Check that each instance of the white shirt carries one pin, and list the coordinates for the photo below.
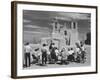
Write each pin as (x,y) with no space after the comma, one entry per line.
(57,52)
(83,49)
(78,50)
(44,49)
(28,49)
(71,52)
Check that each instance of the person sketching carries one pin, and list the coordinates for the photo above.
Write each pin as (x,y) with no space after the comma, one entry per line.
(71,57)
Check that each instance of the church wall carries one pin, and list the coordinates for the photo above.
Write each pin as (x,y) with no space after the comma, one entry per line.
(83,28)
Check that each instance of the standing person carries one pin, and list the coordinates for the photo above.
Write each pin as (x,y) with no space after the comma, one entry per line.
(50,50)
(53,54)
(63,56)
(83,53)
(57,52)
(50,46)
(27,55)
(78,54)
(44,54)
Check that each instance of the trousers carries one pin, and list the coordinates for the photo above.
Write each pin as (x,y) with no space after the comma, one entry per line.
(27,59)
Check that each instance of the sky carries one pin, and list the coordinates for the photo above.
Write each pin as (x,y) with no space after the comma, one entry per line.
(37,24)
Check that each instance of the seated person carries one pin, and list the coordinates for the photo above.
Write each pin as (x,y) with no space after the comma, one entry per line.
(71,56)
(35,55)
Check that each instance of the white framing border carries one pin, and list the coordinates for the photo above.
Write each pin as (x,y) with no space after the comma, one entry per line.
(21,72)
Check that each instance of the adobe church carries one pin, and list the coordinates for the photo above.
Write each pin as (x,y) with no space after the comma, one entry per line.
(63,35)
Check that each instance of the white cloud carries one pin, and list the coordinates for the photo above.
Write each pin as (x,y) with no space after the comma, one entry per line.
(37,27)
(70,16)
(26,21)
(32,26)
(34,32)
